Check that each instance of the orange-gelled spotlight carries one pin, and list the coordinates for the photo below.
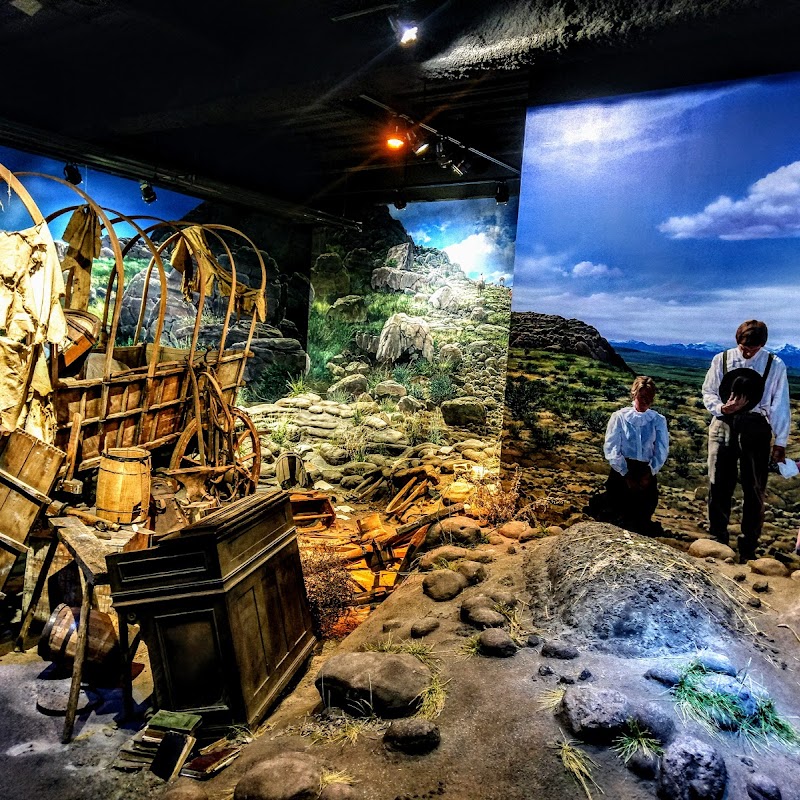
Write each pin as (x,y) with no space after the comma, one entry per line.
(395,141)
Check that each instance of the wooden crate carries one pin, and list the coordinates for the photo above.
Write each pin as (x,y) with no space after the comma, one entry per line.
(223,611)
(29,461)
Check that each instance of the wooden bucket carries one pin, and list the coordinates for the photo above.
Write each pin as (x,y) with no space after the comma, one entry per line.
(59,639)
(123,485)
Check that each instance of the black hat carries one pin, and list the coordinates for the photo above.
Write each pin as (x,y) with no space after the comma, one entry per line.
(742,381)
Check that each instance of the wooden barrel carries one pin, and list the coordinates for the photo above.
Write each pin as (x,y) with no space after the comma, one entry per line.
(123,485)
(59,639)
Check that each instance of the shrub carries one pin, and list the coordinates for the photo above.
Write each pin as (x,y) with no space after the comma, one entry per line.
(441,388)
(328,585)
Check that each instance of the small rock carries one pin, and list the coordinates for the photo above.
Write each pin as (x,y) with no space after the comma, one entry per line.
(692,770)
(597,715)
(762,787)
(665,672)
(761,586)
(739,577)
(338,791)
(715,662)
(443,584)
(534,640)
(556,649)
(496,642)
(754,602)
(770,567)
(513,529)
(457,530)
(413,736)
(645,765)
(702,548)
(505,598)
(568,680)
(795,576)
(422,627)
(653,718)
(545,670)
(185,789)
(482,617)
(511,550)
(473,571)
(289,776)
(392,625)
(585,675)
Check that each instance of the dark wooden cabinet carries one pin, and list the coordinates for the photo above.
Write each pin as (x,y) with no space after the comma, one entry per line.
(223,611)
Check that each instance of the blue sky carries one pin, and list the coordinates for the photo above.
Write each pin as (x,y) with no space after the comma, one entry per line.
(668,216)
(119,194)
(477,234)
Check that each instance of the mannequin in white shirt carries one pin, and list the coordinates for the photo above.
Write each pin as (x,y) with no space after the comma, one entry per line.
(636,446)
(740,436)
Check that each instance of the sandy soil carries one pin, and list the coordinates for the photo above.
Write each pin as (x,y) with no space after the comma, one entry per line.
(497,742)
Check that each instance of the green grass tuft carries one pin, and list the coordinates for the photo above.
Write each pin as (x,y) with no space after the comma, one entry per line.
(636,739)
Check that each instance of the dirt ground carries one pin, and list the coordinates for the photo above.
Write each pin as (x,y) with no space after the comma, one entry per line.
(497,743)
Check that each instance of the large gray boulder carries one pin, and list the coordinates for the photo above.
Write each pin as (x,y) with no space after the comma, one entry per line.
(400,256)
(396,280)
(595,715)
(329,278)
(289,776)
(286,353)
(404,338)
(444,584)
(464,412)
(387,684)
(444,298)
(692,770)
(351,308)
(454,530)
(352,385)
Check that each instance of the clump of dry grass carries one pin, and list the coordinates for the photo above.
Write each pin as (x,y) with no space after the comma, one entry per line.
(328,586)
(335,776)
(432,698)
(470,646)
(551,699)
(578,764)
(341,728)
(421,651)
(494,503)
(517,628)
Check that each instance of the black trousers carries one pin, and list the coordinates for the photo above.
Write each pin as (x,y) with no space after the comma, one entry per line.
(628,500)
(738,449)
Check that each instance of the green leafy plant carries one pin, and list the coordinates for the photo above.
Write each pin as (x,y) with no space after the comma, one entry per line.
(635,740)
(297,386)
(440,389)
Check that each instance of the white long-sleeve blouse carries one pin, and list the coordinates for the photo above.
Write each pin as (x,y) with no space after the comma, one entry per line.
(641,435)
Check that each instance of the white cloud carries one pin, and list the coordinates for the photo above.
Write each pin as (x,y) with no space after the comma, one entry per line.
(590,133)
(484,253)
(586,269)
(655,317)
(770,210)
(420,237)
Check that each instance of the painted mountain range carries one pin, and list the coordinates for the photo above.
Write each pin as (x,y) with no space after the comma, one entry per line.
(706,350)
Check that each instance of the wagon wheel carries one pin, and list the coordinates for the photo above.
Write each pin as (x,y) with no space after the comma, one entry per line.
(229,439)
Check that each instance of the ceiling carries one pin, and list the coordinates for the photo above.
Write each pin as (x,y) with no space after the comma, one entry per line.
(281,104)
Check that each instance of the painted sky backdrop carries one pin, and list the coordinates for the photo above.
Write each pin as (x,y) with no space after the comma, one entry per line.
(665,217)
(478,234)
(119,194)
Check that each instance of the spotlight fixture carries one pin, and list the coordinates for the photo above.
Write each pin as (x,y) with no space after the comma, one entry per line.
(73,174)
(461,167)
(442,158)
(408,32)
(399,201)
(419,144)
(148,192)
(501,194)
(396,140)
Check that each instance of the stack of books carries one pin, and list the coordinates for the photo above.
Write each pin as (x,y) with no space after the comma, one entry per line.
(211,759)
(163,746)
